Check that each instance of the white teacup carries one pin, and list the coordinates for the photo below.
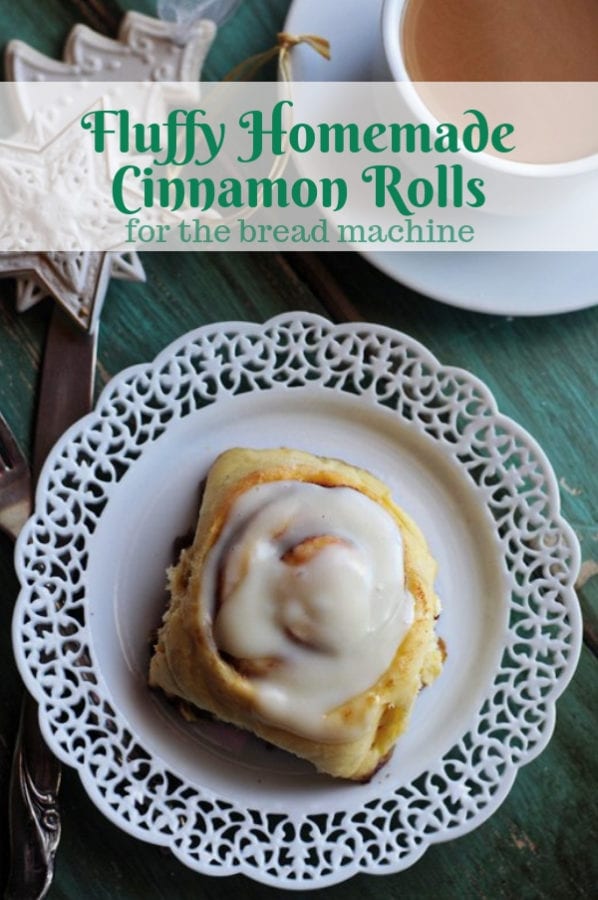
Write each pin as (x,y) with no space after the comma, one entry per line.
(543,114)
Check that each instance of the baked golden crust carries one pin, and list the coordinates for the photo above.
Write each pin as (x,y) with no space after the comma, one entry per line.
(186,662)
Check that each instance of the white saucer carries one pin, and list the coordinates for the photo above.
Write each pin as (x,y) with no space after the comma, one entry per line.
(513,284)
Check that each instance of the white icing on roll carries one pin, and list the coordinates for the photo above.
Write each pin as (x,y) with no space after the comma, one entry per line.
(312,579)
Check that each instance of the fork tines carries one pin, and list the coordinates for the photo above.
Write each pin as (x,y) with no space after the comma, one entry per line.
(11,456)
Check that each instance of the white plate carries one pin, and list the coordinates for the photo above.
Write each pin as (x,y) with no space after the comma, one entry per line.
(122,484)
(510,284)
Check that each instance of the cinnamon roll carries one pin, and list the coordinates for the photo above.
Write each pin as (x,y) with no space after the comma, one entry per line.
(303,611)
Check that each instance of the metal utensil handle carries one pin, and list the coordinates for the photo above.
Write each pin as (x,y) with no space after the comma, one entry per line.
(34,814)
(65,395)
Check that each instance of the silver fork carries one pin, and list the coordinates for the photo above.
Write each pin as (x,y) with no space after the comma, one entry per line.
(33,815)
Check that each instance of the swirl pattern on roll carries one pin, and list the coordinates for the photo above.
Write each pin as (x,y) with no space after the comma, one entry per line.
(305,590)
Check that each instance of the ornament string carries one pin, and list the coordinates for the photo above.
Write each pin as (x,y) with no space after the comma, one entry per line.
(248,69)
(183,11)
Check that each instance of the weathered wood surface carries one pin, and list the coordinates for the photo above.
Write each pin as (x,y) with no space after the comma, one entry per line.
(541,842)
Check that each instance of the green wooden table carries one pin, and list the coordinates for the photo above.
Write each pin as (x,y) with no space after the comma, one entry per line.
(541,842)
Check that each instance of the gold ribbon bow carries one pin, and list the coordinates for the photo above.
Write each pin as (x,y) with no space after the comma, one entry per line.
(285,42)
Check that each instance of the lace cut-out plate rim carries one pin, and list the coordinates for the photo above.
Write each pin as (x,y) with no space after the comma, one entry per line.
(80,715)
